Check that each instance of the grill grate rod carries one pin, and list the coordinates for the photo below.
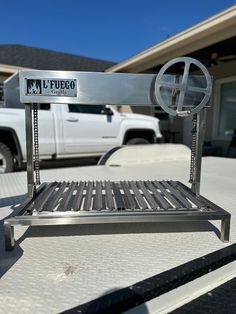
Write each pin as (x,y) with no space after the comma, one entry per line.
(98,196)
(130,201)
(109,197)
(138,195)
(78,197)
(118,196)
(88,196)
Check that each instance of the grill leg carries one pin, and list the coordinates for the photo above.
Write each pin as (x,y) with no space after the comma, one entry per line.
(225,229)
(9,237)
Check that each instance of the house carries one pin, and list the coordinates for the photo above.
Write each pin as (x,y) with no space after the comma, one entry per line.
(212,42)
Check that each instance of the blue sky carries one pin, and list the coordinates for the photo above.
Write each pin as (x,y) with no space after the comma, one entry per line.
(111,30)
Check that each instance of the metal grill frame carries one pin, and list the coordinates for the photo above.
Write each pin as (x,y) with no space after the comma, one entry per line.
(144,84)
(24,216)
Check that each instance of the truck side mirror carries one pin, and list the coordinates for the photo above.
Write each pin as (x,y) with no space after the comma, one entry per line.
(107,111)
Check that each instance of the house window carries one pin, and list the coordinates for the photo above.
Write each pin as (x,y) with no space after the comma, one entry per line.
(227,109)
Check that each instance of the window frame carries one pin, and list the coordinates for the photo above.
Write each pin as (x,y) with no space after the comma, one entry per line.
(100,114)
(216,114)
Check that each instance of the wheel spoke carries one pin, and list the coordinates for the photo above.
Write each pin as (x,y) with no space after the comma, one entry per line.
(183,86)
(198,89)
(170,85)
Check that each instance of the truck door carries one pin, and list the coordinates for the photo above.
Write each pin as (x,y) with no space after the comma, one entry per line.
(89,129)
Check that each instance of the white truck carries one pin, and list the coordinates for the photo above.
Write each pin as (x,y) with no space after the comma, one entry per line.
(68,131)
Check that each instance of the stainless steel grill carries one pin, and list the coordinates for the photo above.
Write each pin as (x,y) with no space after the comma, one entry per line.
(124,201)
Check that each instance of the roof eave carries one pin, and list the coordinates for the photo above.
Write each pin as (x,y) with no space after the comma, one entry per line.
(4,68)
(214,29)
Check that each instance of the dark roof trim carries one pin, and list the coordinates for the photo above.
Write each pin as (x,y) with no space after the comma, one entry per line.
(44,59)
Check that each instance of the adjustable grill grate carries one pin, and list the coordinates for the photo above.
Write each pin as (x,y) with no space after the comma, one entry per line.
(92,202)
(116,196)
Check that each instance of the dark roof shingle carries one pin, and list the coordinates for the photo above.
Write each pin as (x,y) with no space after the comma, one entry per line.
(44,59)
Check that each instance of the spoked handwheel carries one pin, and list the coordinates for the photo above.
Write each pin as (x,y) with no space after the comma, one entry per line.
(180,89)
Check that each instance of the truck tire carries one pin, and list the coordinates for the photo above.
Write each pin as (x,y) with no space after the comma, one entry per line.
(137,141)
(6,159)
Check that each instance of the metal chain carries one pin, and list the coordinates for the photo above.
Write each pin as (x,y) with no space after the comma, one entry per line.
(36,144)
(193,148)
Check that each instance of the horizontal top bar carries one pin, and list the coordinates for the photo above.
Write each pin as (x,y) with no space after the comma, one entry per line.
(95,88)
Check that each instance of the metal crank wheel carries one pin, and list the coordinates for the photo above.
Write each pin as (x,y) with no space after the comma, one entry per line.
(178,90)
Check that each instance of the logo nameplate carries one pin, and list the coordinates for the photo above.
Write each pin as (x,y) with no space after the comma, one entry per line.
(51,87)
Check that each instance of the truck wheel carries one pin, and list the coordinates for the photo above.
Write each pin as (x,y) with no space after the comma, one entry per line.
(137,141)
(6,159)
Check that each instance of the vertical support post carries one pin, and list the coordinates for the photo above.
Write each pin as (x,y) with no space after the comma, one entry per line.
(9,236)
(200,132)
(225,229)
(29,149)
